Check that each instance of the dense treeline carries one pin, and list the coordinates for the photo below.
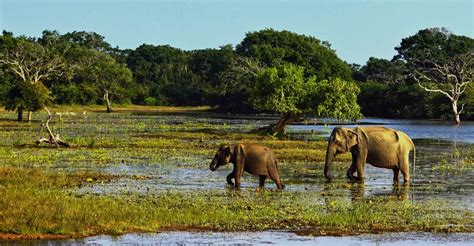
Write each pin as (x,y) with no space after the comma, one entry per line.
(272,71)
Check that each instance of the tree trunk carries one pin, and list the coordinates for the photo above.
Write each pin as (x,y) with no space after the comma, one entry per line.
(107,101)
(457,119)
(279,127)
(53,138)
(20,115)
(29,116)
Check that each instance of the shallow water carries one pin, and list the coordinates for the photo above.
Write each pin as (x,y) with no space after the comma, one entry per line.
(262,238)
(440,173)
(416,129)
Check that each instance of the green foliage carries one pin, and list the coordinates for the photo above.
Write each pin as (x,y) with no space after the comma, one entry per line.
(373,99)
(468,100)
(383,71)
(286,90)
(30,63)
(162,72)
(283,89)
(209,65)
(398,100)
(432,45)
(46,190)
(275,47)
(27,96)
(389,91)
(88,40)
(76,92)
(227,77)
(150,101)
(6,81)
(102,71)
(237,81)
(336,98)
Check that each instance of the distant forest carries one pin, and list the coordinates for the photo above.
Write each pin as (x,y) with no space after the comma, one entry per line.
(81,68)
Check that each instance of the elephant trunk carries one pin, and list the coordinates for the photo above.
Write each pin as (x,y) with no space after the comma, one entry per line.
(214,164)
(329,156)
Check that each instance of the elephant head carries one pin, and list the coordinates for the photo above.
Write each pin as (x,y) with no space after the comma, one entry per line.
(340,141)
(221,158)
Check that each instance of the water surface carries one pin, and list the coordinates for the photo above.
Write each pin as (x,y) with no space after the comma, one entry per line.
(263,238)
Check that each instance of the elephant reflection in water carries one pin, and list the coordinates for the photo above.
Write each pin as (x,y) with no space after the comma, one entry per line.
(357,191)
(398,192)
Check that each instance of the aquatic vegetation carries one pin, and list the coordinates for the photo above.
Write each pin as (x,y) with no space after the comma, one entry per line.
(158,151)
(39,202)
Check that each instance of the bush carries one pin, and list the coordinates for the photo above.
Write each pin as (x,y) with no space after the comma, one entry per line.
(151,101)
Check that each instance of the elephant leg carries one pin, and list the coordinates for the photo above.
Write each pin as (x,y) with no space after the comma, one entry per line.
(406,175)
(396,174)
(262,179)
(360,170)
(358,162)
(230,177)
(351,171)
(237,181)
(405,168)
(276,178)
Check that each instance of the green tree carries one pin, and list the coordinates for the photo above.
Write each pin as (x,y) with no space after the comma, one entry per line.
(273,47)
(32,63)
(383,71)
(109,77)
(285,89)
(236,84)
(440,62)
(26,96)
(209,66)
(88,40)
(385,92)
(432,45)
(162,73)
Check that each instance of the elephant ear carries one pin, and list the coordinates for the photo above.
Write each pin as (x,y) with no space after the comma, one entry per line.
(227,150)
(352,139)
(362,137)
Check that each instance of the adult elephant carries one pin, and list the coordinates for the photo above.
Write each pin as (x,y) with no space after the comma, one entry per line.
(379,146)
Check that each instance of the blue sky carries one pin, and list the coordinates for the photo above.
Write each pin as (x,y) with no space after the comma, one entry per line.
(357,29)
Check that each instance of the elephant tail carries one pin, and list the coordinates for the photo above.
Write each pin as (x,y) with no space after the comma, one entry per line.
(278,172)
(414,160)
(414,154)
(413,173)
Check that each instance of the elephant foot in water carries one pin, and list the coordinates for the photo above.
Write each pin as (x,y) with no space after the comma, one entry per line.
(355,179)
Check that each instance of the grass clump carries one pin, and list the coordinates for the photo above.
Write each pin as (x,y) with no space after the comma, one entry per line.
(41,202)
(40,187)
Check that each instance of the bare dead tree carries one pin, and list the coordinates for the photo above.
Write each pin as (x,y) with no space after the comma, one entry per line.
(450,78)
(53,139)
(34,63)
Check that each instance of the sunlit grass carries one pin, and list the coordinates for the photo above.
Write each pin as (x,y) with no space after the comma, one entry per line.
(39,184)
(37,202)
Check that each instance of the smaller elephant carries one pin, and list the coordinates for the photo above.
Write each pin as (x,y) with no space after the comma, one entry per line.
(254,159)
(379,146)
